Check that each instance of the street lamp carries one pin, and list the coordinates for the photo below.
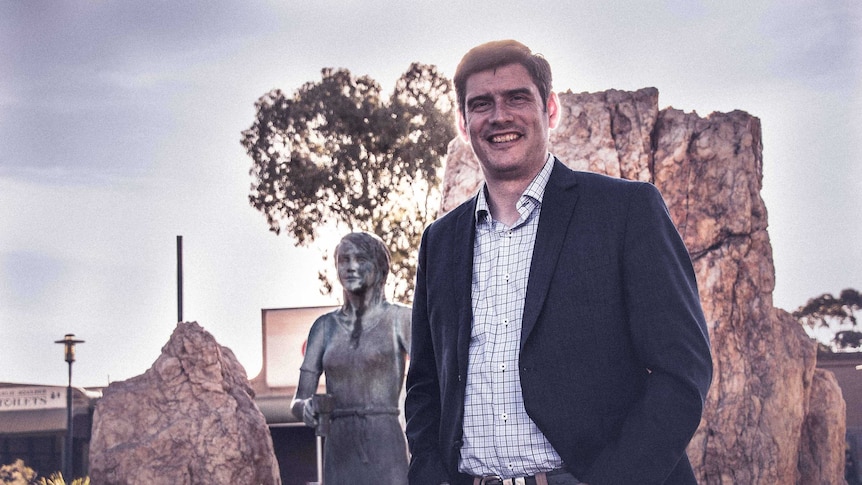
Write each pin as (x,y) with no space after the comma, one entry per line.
(69,342)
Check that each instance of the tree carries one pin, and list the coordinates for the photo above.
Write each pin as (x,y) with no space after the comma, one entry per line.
(337,154)
(838,314)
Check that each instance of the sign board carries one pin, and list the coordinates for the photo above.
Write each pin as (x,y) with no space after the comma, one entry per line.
(285,331)
(31,398)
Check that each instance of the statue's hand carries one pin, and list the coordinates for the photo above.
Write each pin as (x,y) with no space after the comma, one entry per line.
(309,413)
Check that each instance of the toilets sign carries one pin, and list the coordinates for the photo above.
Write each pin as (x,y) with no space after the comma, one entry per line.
(31,398)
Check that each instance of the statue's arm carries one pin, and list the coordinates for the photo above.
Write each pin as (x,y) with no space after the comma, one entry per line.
(309,374)
(405,317)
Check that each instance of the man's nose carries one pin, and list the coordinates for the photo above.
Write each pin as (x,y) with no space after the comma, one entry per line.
(500,113)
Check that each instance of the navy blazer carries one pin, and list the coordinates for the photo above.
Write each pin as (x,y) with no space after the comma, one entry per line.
(615,361)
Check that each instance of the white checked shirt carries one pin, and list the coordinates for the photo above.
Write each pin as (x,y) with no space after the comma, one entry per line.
(499,436)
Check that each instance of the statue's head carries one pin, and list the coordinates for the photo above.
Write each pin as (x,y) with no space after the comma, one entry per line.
(362,261)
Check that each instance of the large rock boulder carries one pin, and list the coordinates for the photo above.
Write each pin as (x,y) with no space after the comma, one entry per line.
(822,431)
(189,419)
(768,419)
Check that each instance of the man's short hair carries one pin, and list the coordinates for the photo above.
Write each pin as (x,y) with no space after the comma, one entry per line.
(499,53)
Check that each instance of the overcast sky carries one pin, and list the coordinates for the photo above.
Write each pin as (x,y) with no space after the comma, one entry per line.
(120,124)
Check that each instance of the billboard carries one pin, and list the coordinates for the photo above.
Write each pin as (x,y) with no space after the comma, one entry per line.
(32,398)
(284,333)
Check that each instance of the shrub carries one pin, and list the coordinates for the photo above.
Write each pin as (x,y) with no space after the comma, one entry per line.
(57,479)
(16,473)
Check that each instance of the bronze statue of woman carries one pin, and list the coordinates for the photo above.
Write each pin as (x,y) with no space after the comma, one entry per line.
(362,349)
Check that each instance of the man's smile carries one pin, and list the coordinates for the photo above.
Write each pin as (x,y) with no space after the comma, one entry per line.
(504,138)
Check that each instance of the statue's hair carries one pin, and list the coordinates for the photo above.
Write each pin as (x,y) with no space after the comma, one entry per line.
(499,53)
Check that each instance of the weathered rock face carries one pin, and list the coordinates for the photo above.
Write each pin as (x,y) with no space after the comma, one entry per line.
(189,419)
(768,419)
(822,431)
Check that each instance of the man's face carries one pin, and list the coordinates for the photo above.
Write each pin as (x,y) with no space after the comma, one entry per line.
(506,122)
(356,270)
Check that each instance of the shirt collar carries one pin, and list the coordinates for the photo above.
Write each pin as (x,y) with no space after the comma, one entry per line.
(534,191)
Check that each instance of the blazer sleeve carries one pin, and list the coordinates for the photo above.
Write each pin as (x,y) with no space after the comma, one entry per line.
(669,334)
(422,405)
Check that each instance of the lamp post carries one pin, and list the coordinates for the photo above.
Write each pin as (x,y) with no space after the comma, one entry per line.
(69,342)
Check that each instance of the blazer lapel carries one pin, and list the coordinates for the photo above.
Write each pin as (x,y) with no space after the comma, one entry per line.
(464,235)
(558,204)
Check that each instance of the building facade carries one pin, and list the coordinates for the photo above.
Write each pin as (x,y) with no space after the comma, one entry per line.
(33,421)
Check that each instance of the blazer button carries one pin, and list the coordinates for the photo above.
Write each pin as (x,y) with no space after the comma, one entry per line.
(457,444)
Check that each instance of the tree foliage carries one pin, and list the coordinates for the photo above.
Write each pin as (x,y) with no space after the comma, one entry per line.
(835,313)
(337,153)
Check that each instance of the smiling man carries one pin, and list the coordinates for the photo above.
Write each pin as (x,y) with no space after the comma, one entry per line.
(558,336)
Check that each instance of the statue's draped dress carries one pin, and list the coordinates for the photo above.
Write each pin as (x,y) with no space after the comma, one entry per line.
(366,443)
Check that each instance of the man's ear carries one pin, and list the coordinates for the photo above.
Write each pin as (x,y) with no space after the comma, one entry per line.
(462,127)
(553,110)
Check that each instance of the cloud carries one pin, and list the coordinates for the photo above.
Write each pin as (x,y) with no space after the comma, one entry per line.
(85,83)
(818,43)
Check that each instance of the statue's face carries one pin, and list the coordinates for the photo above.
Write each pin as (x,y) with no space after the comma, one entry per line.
(356,270)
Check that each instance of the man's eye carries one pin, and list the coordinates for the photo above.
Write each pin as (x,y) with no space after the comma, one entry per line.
(479,106)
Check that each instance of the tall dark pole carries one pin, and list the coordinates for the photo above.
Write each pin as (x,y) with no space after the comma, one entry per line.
(68,462)
(179,278)
(69,342)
